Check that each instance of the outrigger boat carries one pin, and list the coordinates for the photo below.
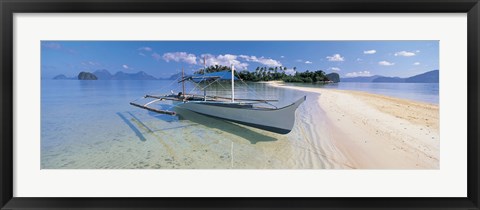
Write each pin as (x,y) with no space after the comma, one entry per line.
(257,113)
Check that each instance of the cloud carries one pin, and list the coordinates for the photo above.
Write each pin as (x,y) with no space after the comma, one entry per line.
(282,56)
(90,63)
(385,63)
(57,46)
(358,74)
(404,53)
(262,60)
(290,72)
(148,49)
(308,62)
(156,56)
(142,51)
(334,69)
(125,66)
(180,57)
(335,57)
(269,62)
(416,63)
(417,51)
(210,59)
(223,60)
(359,59)
(369,52)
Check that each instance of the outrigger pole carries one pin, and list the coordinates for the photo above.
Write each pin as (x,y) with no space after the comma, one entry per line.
(153,109)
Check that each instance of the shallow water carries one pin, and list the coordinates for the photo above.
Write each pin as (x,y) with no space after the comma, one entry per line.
(421,92)
(90,125)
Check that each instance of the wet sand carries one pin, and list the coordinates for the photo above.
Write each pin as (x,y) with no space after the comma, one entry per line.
(371,131)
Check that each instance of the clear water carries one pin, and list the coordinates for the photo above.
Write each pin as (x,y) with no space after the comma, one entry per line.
(422,92)
(90,124)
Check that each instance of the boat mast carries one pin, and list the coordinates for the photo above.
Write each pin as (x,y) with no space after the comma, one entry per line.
(183,83)
(204,72)
(204,65)
(233,84)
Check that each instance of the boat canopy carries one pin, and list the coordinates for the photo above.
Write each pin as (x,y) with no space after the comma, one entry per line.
(221,75)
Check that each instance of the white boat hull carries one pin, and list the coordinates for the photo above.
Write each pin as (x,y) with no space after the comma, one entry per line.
(279,120)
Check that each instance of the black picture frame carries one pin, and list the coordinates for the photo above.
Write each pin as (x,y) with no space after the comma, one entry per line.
(10,7)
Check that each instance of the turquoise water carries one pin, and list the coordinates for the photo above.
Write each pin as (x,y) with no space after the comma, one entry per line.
(423,92)
(90,124)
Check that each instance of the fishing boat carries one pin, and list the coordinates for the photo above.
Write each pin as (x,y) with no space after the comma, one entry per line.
(257,113)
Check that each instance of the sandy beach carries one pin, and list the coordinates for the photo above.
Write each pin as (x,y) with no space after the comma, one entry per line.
(369,131)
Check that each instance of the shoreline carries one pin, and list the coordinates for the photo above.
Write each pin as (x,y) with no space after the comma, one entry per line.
(379,132)
(333,130)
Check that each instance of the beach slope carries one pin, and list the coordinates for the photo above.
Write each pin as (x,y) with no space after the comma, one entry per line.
(379,132)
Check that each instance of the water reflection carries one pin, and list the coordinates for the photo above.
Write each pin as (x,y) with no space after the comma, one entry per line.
(211,122)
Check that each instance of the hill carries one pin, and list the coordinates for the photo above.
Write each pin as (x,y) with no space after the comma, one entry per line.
(176,76)
(389,79)
(63,77)
(132,76)
(427,77)
(359,79)
(334,77)
(104,74)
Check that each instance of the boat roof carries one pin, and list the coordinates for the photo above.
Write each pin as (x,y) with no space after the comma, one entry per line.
(221,75)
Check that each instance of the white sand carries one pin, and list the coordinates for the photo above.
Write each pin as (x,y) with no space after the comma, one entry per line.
(371,131)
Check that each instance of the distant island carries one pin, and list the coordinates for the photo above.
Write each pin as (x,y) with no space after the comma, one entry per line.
(62,77)
(86,76)
(106,75)
(427,77)
(261,74)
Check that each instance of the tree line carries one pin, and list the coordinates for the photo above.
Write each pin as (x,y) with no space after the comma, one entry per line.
(276,73)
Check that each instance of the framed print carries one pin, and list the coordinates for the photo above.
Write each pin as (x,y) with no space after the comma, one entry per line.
(254,105)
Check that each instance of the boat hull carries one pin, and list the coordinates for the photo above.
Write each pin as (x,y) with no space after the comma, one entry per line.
(279,120)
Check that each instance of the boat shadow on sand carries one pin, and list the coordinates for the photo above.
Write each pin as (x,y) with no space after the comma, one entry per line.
(137,132)
(229,127)
(139,127)
(185,115)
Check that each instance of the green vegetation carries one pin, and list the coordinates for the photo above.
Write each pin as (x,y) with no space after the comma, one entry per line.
(277,73)
(214,68)
(334,77)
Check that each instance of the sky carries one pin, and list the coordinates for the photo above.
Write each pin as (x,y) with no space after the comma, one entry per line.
(164,58)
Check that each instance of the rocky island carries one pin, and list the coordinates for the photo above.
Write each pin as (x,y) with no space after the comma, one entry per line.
(86,76)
